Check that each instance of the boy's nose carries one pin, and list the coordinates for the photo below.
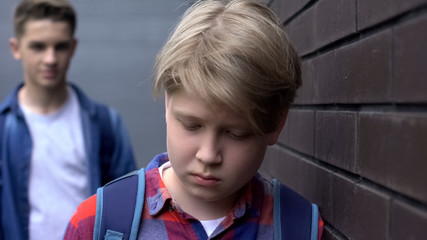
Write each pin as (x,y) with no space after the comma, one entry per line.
(50,56)
(208,151)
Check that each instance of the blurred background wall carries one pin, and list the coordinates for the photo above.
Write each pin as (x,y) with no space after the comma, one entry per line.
(113,64)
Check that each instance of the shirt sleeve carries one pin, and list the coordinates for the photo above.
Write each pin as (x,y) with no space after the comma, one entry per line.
(82,222)
(123,160)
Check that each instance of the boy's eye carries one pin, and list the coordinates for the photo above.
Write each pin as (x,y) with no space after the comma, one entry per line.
(237,135)
(37,46)
(62,46)
(190,126)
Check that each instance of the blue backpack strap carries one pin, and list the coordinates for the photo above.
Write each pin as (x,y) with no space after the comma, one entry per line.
(294,216)
(314,221)
(107,142)
(119,207)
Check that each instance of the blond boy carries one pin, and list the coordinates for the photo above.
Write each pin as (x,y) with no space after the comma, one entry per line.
(229,74)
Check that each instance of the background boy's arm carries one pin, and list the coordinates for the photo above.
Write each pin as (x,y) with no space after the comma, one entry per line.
(122,161)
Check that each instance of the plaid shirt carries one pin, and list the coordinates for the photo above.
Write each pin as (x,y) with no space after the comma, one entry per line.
(251,217)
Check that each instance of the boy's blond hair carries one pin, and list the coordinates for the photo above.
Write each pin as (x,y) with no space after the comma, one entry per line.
(55,10)
(233,54)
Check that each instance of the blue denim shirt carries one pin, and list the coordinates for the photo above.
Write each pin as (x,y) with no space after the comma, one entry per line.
(16,157)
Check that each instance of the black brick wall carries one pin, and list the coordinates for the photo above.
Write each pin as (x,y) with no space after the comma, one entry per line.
(355,141)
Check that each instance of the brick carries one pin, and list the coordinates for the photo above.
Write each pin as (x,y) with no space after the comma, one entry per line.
(408,222)
(305,94)
(335,19)
(314,183)
(371,12)
(410,60)
(392,151)
(323,78)
(298,132)
(294,171)
(335,140)
(359,212)
(321,24)
(283,165)
(270,161)
(288,8)
(329,234)
(301,31)
(362,71)
(356,73)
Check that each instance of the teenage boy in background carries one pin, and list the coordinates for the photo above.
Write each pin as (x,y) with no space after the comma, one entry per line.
(229,74)
(57,146)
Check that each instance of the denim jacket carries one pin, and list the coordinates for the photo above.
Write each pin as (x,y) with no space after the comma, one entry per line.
(16,157)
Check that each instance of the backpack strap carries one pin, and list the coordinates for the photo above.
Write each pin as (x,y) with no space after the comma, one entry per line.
(107,142)
(119,207)
(294,216)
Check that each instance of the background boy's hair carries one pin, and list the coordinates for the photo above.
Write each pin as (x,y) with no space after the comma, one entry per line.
(55,10)
(234,54)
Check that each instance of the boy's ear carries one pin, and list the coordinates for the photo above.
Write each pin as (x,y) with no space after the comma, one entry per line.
(75,42)
(275,135)
(14,48)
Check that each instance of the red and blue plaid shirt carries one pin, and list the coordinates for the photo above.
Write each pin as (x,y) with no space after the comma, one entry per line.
(251,217)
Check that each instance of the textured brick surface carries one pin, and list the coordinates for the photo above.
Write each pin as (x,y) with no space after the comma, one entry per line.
(410,60)
(298,132)
(359,212)
(305,94)
(329,234)
(372,12)
(362,70)
(407,222)
(393,152)
(288,8)
(324,81)
(323,23)
(336,138)
(361,57)
(314,183)
(301,31)
(355,73)
(283,165)
(335,19)
(311,181)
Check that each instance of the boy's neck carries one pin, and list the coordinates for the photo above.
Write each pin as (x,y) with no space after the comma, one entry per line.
(196,207)
(42,100)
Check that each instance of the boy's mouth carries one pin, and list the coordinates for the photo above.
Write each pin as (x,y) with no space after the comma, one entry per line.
(205,180)
(49,73)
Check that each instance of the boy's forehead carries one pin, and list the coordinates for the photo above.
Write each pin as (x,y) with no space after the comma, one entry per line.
(199,107)
(187,98)
(33,27)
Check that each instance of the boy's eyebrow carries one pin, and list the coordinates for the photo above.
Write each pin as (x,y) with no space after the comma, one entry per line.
(35,42)
(188,116)
(183,113)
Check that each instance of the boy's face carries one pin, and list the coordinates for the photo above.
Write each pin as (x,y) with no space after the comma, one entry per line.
(46,49)
(213,153)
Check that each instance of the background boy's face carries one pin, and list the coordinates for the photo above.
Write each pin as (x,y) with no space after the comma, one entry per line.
(213,153)
(45,48)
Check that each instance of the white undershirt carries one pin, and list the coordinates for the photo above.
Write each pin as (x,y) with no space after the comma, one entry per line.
(208,225)
(59,178)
